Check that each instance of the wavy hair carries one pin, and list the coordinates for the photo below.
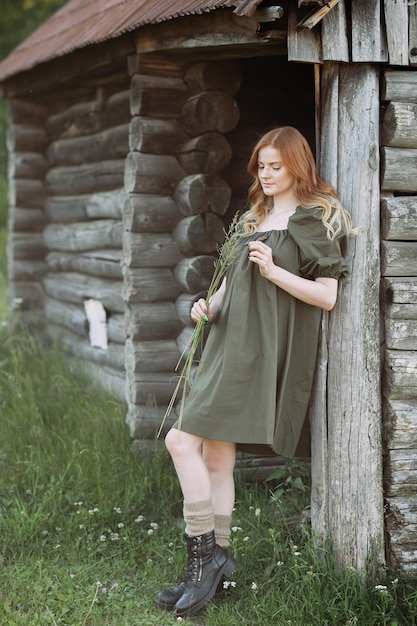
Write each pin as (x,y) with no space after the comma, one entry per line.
(310,189)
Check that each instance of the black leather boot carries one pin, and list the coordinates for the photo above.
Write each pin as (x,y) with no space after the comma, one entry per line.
(168,598)
(207,564)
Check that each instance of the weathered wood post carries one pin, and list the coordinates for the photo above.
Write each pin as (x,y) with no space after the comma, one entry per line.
(347,503)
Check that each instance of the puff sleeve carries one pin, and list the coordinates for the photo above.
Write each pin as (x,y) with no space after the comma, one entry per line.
(319,256)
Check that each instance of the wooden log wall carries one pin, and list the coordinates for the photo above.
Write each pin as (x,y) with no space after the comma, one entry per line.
(26,141)
(399,296)
(87,144)
(173,217)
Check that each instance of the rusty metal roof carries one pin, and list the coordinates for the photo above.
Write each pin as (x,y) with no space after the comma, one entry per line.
(80,23)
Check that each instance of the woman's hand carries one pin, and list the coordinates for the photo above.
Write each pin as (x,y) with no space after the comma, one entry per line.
(200,311)
(261,254)
(321,292)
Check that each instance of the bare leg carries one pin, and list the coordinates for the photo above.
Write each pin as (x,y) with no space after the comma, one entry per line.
(219,458)
(185,450)
(208,562)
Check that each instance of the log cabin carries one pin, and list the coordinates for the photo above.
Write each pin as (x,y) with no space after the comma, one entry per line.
(130,125)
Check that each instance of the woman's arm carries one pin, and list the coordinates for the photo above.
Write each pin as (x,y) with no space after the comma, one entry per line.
(201,308)
(321,292)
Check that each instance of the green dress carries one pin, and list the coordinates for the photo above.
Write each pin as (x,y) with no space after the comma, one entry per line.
(253,383)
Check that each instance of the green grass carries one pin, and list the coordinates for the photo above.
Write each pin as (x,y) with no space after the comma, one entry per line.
(90,531)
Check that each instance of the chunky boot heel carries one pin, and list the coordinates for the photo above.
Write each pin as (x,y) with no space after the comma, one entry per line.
(207,564)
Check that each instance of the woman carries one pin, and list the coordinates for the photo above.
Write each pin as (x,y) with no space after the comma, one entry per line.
(253,385)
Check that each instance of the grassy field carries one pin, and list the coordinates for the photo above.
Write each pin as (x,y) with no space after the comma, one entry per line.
(91,531)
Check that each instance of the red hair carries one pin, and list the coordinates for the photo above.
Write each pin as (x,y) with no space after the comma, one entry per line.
(309,188)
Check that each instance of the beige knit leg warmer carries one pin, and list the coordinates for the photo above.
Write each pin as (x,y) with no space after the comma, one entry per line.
(198,517)
(222,529)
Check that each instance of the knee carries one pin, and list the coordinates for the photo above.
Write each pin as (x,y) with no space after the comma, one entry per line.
(180,445)
(172,443)
(218,458)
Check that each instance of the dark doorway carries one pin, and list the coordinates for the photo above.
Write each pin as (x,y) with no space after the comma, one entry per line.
(273,93)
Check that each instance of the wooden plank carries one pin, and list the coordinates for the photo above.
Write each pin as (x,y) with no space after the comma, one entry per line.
(220,31)
(401,86)
(303,45)
(85,178)
(150,213)
(399,127)
(401,472)
(400,375)
(208,111)
(101,263)
(199,193)
(97,234)
(399,218)
(400,297)
(152,321)
(151,173)
(154,388)
(368,35)
(400,424)
(26,219)
(150,250)
(74,287)
(194,274)
(199,234)
(401,532)
(314,18)
(71,316)
(329,123)
(149,285)
(412,33)
(151,356)
(157,96)
(399,169)
(155,136)
(112,143)
(26,246)
(26,138)
(396,22)
(328,159)
(398,258)
(401,334)
(334,30)
(100,205)
(29,269)
(26,165)
(355,505)
(319,443)
(209,153)
(25,192)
